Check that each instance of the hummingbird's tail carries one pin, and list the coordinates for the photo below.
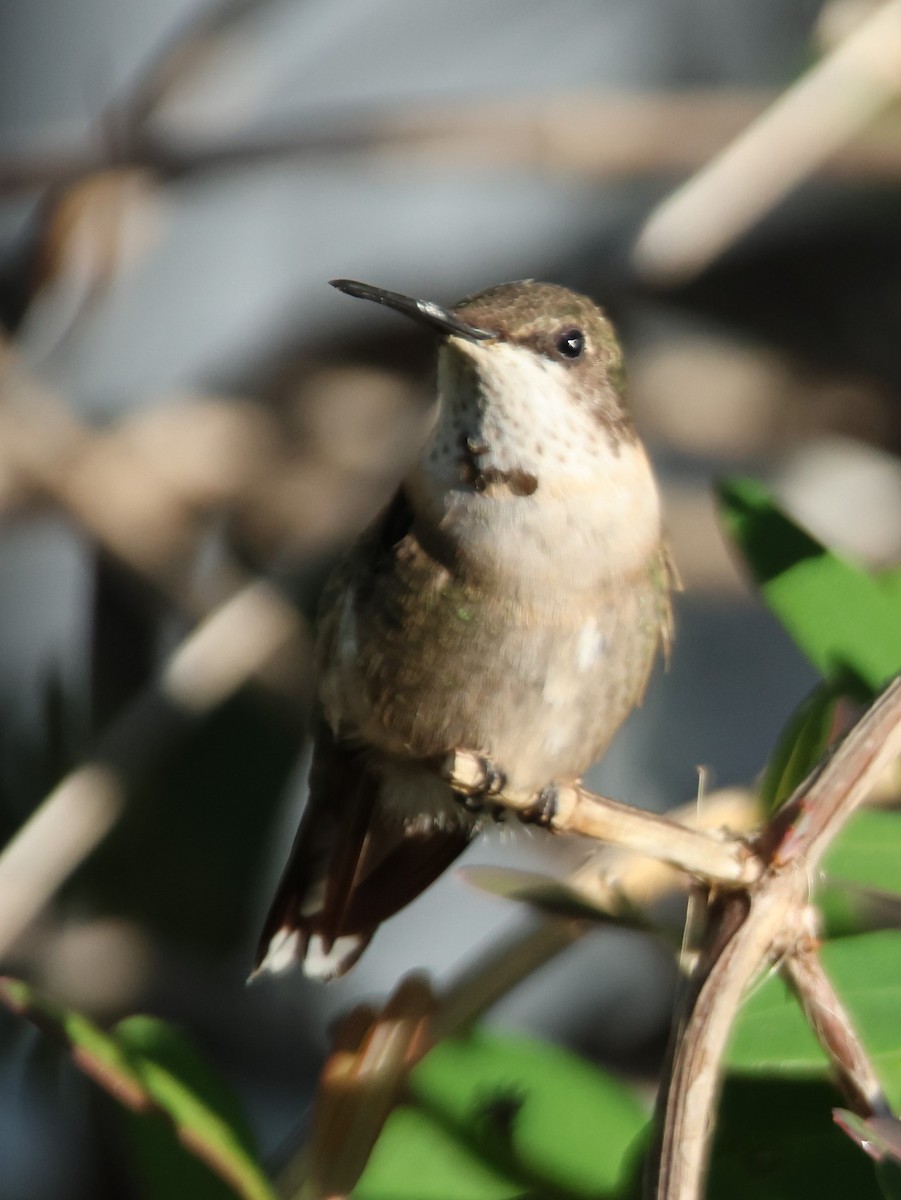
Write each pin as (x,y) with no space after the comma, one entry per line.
(355,862)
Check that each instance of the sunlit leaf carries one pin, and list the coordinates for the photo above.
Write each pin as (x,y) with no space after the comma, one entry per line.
(418,1158)
(537,1118)
(847,621)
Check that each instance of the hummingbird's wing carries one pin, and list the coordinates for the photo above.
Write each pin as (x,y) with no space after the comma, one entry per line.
(349,869)
(356,859)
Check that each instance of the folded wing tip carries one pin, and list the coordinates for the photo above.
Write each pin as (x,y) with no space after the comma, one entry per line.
(319,960)
(323,961)
(285,948)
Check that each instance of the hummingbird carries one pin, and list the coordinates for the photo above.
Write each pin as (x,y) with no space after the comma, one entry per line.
(509,602)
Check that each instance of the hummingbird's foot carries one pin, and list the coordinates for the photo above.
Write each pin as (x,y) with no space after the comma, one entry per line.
(473,778)
(544,809)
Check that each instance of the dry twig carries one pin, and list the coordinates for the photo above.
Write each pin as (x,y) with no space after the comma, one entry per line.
(768,923)
(717,858)
(827,107)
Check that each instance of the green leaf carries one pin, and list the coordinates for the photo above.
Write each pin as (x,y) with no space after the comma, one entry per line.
(847,621)
(418,1158)
(181,1114)
(537,1118)
(204,1111)
(850,908)
(771,1035)
(868,851)
(860,889)
(801,745)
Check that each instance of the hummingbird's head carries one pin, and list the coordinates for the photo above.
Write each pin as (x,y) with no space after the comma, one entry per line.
(548,339)
(528,337)
(533,459)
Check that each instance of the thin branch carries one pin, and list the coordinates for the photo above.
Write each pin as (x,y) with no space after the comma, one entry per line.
(804,828)
(829,1020)
(715,857)
(611,873)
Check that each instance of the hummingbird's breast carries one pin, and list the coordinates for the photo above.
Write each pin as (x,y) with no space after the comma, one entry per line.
(426,662)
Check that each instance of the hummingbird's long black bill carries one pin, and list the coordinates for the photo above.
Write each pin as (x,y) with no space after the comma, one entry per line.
(426,311)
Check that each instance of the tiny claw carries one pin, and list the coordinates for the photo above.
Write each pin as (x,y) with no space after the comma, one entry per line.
(472,775)
(544,809)
(472,804)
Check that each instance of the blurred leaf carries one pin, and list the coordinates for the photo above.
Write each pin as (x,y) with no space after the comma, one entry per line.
(846,621)
(417,1158)
(849,908)
(801,745)
(868,851)
(775,1139)
(860,890)
(205,1113)
(527,1111)
(771,1034)
(183,1109)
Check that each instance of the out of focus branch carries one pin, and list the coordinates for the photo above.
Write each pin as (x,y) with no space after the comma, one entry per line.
(254,633)
(799,134)
(140,517)
(174,62)
(598,135)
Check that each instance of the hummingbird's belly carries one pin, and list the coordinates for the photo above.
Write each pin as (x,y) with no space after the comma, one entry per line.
(539,695)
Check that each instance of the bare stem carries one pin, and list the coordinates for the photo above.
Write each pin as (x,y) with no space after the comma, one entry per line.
(717,858)
(770,923)
(829,1020)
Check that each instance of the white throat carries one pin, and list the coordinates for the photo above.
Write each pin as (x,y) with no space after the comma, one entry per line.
(593,513)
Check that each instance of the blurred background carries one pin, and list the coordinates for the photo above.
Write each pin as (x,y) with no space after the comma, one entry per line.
(193,425)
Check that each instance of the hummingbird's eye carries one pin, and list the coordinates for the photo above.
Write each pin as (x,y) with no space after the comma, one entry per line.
(571,343)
